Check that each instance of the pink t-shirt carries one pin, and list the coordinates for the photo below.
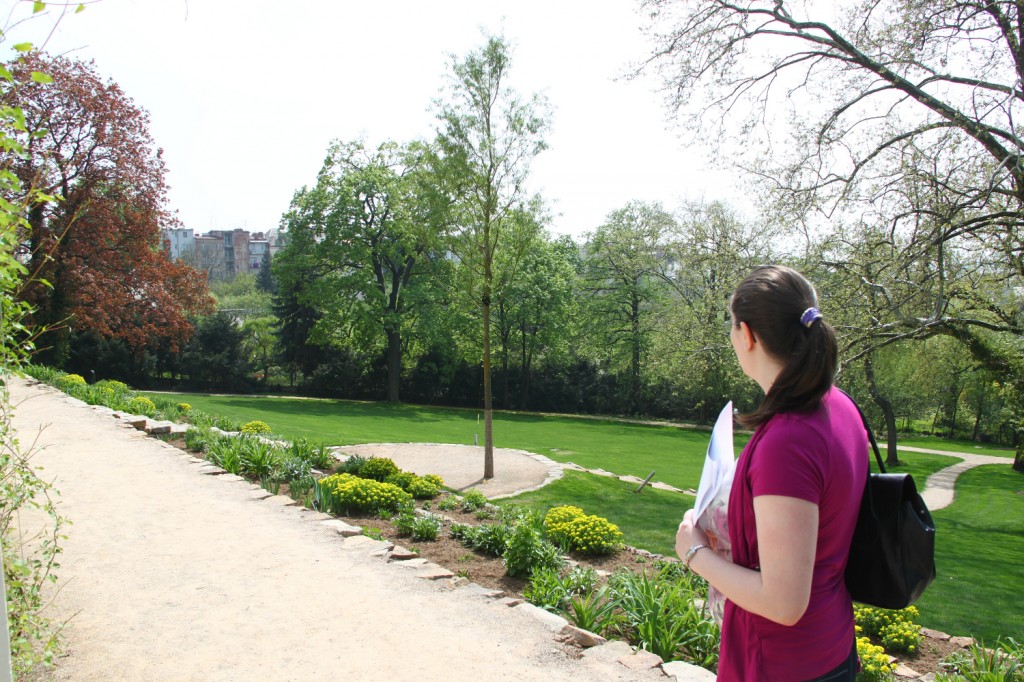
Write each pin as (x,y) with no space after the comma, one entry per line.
(820,457)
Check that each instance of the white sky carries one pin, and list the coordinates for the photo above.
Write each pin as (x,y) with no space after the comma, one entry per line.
(246,95)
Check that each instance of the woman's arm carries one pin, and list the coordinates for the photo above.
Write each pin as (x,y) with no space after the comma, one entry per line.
(787,539)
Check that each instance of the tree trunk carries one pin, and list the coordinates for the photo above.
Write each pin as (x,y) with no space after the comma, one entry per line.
(1018,460)
(634,388)
(394,364)
(891,456)
(488,435)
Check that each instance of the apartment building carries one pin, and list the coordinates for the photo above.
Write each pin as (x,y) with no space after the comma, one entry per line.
(222,254)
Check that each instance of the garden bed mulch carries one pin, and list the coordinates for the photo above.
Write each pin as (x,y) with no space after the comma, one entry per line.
(489,571)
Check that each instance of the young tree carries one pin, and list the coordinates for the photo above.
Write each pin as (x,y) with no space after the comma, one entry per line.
(99,246)
(360,233)
(487,138)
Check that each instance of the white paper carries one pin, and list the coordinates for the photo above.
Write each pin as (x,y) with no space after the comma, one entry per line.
(719,462)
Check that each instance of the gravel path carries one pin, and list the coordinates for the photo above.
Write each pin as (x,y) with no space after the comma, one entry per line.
(169,574)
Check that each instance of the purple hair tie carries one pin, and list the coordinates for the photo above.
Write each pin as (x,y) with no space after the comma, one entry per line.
(809,316)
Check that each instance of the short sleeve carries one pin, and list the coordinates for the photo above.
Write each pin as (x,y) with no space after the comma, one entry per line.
(789,461)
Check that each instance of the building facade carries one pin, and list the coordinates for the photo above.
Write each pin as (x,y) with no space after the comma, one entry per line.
(223,254)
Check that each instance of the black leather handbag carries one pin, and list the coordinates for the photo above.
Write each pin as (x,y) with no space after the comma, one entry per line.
(892,558)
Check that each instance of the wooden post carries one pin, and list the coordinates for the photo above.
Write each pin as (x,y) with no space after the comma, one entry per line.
(646,481)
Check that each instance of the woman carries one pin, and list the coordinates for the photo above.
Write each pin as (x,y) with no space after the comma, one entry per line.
(794,498)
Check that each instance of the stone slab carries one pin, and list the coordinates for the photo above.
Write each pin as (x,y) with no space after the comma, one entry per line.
(211,470)
(313,515)
(641,660)
(400,553)
(481,591)
(258,495)
(361,542)
(682,671)
(510,601)
(343,529)
(934,634)
(903,671)
(962,641)
(282,500)
(658,485)
(156,428)
(551,621)
(431,571)
(585,638)
(234,478)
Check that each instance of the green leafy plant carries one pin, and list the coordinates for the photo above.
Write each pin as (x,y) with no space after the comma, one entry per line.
(448,503)
(351,493)
(140,404)
(527,551)
(570,528)
(352,465)
(472,500)
(258,459)
(197,440)
(423,488)
(874,662)
(256,428)
(593,611)
(378,468)
(661,615)
(426,527)
(897,631)
(401,478)
(374,533)
(226,452)
(1002,663)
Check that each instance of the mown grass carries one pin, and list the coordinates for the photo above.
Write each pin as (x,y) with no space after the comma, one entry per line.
(675,454)
(920,465)
(979,558)
(932,443)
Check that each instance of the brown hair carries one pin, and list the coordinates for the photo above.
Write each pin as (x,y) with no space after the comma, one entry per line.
(771,300)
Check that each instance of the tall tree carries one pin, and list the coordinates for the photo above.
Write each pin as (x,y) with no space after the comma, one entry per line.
(488,136)
(903,118)
(625,277)
(99,246)
(360,233)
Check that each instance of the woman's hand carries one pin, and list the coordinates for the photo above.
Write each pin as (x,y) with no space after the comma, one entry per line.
(689,535)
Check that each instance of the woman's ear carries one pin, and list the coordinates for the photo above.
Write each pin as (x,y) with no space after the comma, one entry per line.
(747,338)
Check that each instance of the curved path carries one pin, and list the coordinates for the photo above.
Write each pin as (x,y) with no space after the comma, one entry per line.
(170,574)
(939,489)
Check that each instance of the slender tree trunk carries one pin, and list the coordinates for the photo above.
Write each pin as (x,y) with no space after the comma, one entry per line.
(891,456)
(488,433)
(394,364)
(634,389)
(1018,460)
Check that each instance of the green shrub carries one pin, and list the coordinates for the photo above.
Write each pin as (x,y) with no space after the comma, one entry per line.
(140,404)
(594,611)
(197,440)
(378,468)
(552,591)
(527,551)
(226,452)
(256,428)
(350,493)
(895,630)
(294,468)
(402,479)
(874,662)
(69,382)
(259,459)
(184,407)
(317,455)
(404,522)
(423,489)
(225,423)
(472,500)
(426,527)
(569,528)
(434,479)
(448,503)
(352,465)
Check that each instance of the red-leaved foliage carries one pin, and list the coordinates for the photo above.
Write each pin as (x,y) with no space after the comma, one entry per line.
(99,245)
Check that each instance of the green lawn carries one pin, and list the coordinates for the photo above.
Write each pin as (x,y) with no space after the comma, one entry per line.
(955,446)
(979,558)
(920,465)
(675,454)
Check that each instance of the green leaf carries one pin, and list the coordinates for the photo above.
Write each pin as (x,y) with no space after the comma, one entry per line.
(23,47)
(40,77)
(80,8)
(38,7)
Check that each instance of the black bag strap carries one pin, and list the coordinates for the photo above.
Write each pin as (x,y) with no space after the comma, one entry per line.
(867,427)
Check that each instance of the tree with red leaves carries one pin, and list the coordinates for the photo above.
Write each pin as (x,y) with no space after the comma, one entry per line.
(99,245)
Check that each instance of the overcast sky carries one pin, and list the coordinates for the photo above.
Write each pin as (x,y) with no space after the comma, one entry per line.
(246,95)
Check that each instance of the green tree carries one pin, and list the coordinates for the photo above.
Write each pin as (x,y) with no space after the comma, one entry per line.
(626,271)
(487,138)
(896,118)
(537,311)
(360,235)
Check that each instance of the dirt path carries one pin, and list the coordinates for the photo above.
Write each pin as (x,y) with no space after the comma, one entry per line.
(169,574)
